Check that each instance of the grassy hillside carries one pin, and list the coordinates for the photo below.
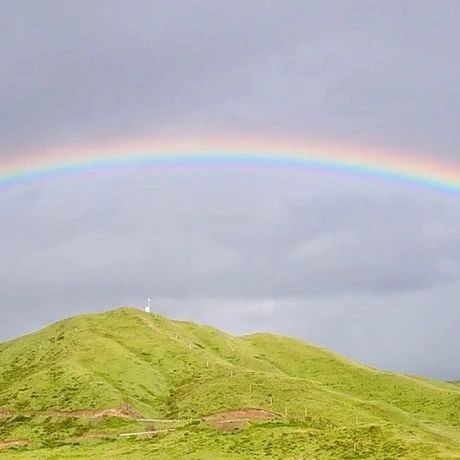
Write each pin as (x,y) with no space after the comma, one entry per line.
(55,383)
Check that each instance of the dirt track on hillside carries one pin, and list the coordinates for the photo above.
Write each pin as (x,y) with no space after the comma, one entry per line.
(125,411)
(8,444)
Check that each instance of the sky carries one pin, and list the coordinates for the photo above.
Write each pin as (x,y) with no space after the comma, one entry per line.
(361,265)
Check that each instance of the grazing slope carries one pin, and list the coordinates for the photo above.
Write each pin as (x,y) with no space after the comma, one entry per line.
(57,384)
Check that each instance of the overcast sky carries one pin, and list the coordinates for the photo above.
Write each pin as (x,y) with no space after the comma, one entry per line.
(366,267)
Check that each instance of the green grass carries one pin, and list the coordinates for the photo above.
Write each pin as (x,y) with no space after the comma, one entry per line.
(169,369)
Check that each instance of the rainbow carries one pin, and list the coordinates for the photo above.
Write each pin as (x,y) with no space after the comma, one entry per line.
(398,166)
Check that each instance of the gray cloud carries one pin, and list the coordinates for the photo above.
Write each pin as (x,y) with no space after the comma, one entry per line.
(229,234)
(338,259)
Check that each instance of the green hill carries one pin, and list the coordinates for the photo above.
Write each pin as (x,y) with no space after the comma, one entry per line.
(69,390)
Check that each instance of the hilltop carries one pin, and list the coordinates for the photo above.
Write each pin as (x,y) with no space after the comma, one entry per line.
(70,388)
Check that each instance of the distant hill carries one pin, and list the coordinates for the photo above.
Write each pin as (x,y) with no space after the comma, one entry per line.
(72,387)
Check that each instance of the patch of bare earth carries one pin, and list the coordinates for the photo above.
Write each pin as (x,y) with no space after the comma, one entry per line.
(8,444)
(5,412)
(230,420)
